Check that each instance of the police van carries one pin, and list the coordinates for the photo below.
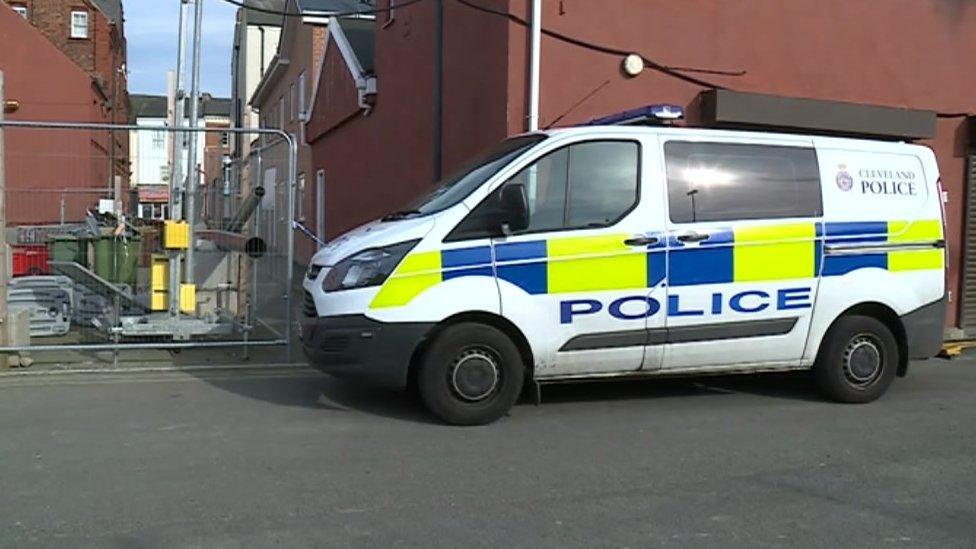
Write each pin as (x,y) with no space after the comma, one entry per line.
(622,251)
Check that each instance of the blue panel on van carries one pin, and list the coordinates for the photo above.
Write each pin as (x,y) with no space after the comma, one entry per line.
(472,271)
(846,231)
(466,257)
(836,265)
(657,268)
(516,251)
(531,277)
(701,266)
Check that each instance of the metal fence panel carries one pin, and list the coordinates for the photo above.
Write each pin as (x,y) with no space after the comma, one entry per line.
(92,214)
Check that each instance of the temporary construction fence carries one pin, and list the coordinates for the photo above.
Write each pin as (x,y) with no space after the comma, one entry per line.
(115,244)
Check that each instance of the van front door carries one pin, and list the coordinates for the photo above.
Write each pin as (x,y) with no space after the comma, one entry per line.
(744,252)
(575,280)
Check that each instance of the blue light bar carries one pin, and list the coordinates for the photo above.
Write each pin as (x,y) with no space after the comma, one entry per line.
(649,114)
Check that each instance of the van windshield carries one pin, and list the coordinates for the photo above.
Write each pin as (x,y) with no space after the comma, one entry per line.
(469,177)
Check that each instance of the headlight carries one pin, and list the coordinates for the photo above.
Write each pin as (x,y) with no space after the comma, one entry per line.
(366,268)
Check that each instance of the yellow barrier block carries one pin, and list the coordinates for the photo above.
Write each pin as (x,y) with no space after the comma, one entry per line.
(188,298)
(159,301)
(159,273)
(176,235)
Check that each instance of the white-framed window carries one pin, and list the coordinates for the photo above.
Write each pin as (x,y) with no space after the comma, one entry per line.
(302,97)
(320,205)
(293,103)
(158,139)
(79,24)
(281,113)
(21,9)
(300,198)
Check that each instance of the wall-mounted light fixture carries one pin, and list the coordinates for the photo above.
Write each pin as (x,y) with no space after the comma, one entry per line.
(632,65)
(11,106)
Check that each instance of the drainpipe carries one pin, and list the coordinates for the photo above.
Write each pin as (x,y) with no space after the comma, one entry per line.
(438,90)
(535,46)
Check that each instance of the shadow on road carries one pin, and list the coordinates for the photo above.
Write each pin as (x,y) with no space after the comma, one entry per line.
(320,391)
(792,386)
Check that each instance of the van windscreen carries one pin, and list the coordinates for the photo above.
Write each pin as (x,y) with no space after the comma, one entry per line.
(472,175)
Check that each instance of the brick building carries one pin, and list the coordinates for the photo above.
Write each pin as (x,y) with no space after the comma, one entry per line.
(282,99)
(151,154)
(451,78)
(53,175)
(92,34)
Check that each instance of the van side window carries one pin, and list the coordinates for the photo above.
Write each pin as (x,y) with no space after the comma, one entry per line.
(585,185)
(729,181)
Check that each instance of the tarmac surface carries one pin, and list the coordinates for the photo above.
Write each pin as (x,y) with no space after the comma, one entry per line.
(292,458)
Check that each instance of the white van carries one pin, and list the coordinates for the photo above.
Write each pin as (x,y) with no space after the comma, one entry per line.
(628,252)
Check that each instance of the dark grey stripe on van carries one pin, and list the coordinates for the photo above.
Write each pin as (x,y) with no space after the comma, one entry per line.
(857,248)
(680,334)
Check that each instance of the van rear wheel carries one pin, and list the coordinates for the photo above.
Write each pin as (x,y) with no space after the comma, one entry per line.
(471,374)
(857,360)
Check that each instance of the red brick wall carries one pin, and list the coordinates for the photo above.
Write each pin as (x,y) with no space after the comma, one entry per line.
(306,48)
(42,166)
(102,54)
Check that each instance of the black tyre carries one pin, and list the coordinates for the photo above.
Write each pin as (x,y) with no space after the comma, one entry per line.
(471,374)
(857,360)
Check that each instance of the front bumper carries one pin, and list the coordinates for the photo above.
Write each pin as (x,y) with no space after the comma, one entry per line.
(924,329)
(355,346)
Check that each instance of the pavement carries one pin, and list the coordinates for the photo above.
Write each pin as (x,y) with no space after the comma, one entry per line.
(287,457)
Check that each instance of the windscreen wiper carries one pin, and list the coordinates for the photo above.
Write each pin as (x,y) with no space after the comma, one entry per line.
(400,215)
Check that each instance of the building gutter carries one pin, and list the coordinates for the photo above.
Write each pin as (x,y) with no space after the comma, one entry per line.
(438,89)
(534,54)
(365,83)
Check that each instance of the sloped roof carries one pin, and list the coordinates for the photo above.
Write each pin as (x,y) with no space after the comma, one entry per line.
(147,106)
(111,8)
(334,6)
(155,106)
(360,34)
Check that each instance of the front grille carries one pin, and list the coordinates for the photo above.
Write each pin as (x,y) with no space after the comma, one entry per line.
(308,306)
(313,271)
(334,344)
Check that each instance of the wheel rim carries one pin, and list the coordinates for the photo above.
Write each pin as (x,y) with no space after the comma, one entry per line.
(474,374)
(863,361)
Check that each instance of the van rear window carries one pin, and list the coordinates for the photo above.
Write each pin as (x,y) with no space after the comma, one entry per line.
(730,181)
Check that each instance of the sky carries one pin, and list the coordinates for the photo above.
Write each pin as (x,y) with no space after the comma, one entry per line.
(152,27)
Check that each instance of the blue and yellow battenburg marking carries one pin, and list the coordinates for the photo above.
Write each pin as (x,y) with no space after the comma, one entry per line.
(789,251)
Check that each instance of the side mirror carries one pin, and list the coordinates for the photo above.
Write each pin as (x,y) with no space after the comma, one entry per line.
(514,208)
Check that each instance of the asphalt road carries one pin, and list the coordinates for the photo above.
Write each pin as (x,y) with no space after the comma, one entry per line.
(296,459)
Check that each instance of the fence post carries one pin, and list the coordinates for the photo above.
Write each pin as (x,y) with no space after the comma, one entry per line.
(4,256)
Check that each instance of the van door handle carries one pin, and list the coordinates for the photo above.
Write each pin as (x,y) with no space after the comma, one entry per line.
(642,241)
(693,237)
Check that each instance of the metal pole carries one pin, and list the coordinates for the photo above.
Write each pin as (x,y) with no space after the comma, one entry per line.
(176,177)
(536,45)
(4,259)
(193,174)
(292,178)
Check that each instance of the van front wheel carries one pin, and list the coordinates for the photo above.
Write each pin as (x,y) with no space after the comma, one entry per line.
(857,360)
(471,374)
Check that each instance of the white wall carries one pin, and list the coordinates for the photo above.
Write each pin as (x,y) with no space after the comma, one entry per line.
(151,151)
